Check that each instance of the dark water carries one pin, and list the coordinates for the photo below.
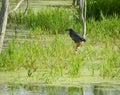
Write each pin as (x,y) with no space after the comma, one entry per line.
(38,89)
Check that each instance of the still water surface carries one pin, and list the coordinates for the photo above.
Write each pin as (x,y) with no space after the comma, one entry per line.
(38,89)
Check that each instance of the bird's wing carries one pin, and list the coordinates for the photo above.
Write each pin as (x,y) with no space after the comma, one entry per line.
(76,37)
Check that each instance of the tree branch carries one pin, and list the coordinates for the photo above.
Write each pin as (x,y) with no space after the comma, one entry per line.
(26,7)
(18,5)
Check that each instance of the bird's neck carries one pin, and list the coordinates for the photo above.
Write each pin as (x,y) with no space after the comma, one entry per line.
(71,32)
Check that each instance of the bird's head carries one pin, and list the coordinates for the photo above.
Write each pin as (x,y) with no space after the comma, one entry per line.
(70,29)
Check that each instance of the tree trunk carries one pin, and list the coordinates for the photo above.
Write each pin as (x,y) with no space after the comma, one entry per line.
(82,6)
(3,20)
(2,14)
(76,2)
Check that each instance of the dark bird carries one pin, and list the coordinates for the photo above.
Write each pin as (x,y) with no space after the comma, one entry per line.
(77,38)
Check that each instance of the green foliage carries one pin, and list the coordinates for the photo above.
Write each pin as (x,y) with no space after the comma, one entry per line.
(108,7)
(53,55)
(110,66)
(76,65)
(56,20)
(109,27)
(47,19)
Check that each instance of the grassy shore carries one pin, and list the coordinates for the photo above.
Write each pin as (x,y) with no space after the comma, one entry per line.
(55,58)
(50,56)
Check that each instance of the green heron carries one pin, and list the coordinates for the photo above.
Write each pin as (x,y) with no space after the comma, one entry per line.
(77,38)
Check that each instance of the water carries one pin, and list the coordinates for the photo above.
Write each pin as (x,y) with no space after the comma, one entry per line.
(38,89)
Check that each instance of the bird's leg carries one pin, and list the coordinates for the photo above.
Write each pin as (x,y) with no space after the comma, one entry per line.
(77,46)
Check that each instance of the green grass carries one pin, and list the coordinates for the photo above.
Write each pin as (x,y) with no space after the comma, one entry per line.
(51,55)
(47,61)
(55,20)
(49,19)
(94,8)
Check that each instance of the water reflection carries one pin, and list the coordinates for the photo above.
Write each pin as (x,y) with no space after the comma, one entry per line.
(35,89)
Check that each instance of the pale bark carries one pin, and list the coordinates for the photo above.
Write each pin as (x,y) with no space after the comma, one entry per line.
(17,6)
(2,14)
(4,10)
(82,6)
(76,2)
(3,18)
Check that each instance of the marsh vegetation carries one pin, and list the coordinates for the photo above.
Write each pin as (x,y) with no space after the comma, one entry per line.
(47,52)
